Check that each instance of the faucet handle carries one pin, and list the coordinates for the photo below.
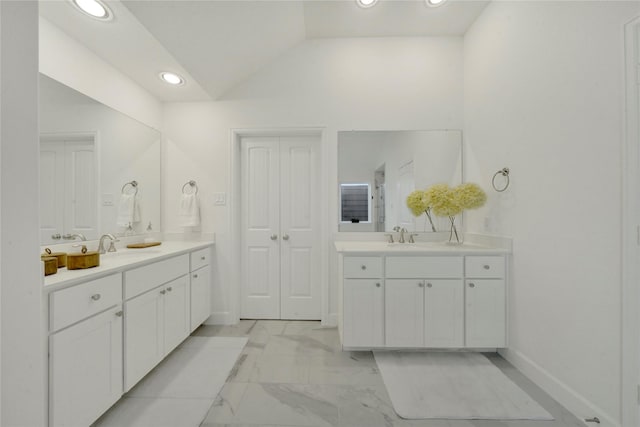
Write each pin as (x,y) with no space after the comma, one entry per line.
(411,238)
(112,247)
(389,238)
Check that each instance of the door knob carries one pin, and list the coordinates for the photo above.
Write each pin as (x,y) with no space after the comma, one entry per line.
(163,292)
(274,237)
(429,285)
(420,284)
(119,313)
(169,289)
(472,285)
(285,237)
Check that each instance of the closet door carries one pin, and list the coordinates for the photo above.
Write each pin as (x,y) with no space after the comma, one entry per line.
(260,258)
(81,201)
(52,186)
(299,207)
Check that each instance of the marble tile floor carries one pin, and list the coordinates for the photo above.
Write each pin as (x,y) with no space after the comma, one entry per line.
(293,373)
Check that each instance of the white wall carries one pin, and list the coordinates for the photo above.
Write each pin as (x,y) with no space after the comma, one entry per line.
(66,60)
(338,84)
(544,96)
(23,352)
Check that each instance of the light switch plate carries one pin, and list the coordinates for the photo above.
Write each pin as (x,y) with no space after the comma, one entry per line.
(107,200)
(219,199)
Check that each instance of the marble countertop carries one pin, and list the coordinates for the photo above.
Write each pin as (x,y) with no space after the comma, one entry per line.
(419,248)
(123,259)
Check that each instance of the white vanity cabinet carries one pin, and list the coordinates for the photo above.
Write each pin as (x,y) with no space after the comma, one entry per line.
(157,319)
(449,298)
(363,302)
(85,351)
(485,296)
(200,287)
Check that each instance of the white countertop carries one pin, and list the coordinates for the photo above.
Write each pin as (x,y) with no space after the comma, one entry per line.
(123,259)
(419,248)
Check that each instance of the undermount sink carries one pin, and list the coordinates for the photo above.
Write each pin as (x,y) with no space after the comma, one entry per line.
(125,253)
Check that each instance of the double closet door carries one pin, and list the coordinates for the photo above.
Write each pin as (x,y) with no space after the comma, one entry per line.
(280,259)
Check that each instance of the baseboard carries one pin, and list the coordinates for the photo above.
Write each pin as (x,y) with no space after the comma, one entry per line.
(331,320)
(220,318)
(573,401)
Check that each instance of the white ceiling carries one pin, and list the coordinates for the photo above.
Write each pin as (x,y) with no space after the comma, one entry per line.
(217,44)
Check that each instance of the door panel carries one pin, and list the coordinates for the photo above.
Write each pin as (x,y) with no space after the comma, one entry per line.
(280,268)
(404,312)
(299,222)
(364,313)
(177,320)
(444,313)
(260,260)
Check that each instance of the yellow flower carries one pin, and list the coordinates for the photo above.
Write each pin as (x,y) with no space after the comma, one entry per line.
(443,200)
(417,202)
(470,196)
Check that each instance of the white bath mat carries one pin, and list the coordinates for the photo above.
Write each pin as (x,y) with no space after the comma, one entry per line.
(453,386)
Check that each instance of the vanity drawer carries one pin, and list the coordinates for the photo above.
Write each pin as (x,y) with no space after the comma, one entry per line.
(426,267)
(484,266)
(362,267)
(73,304)
(142,279)
(200,258)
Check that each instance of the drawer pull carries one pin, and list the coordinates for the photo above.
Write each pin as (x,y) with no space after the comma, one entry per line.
(202,258)
(486,267)
(429,285)
(364,267)
(119,313)
(195,276)
(472,285)
(163,292)
(96,297)
(377,285)
(169,289)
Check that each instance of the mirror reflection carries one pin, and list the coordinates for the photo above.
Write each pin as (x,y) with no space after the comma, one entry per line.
(378,169)
(89,155)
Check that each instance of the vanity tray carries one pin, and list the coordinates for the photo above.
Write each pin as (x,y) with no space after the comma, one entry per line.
(143,245)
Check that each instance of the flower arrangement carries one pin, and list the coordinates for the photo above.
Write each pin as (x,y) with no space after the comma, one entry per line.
(443,200)
(418,202)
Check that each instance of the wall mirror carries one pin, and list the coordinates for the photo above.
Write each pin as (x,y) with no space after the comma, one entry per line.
(90,156)
(378,169)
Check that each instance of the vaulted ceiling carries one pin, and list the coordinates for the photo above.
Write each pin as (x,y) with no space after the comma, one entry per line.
(216,45)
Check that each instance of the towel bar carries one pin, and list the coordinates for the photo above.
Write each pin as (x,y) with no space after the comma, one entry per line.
(133,183)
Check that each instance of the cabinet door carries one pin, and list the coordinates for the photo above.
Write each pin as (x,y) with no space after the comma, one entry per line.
(200,296)
(144,335)
(85,369)
(444,313)
(363,312)
(485,313)
(177,322)
(404,313)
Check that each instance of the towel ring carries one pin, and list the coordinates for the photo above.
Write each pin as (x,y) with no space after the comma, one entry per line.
(191,183)
(133,183)
(504,172)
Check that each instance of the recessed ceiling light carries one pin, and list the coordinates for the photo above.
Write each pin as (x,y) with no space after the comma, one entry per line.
(171,78)
(366,3)
(94,8)
(435,3)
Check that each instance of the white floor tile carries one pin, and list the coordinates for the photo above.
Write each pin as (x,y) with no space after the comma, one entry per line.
(137,412)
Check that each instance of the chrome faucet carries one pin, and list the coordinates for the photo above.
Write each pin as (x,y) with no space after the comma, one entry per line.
(112,247)
(73,236)
(401,231)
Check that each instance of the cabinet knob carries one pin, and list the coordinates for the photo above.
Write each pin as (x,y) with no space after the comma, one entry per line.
(377,285)
(163,292)
(420,284)
(96,297)
(195,276)
(472,285)
(429,285)
(363,267)
(274,237)
(169,289)
(202,258)
(486,267)
(285,237)
(119,313)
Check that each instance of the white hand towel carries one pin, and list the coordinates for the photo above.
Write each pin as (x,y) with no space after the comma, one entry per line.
(126,210)
(189,214)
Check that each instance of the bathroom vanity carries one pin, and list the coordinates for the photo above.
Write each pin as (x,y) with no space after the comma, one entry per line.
(422,295)
(110,325)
